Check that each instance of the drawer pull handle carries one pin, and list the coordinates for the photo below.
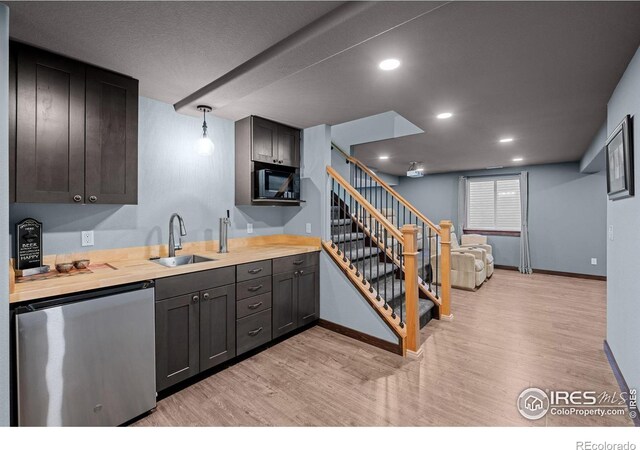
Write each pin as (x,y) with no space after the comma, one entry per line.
(255,305)
(254,271)
(255,288)
(195,299)
(255,332)
(205,296)
(297,262)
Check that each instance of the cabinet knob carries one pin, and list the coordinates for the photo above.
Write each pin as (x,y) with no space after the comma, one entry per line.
(93,199)
(195,299)
(301,272)
(295,274)
(205,296)
(77,198)
(280,161)
(275,160)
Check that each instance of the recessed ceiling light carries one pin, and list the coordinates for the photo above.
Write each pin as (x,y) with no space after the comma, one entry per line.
(516,159)
(507,139)
(445,115)
(384,157)
(389,64)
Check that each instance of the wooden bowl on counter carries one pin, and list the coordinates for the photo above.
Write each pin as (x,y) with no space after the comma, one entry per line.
(64,267)
(81,264)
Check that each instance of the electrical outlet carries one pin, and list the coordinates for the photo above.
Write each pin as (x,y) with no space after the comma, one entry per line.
(308,228)
(87,238)
(594,261)
(249,228)
(611,232)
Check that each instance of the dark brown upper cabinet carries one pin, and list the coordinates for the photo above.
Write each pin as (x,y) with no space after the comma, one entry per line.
(49,125)
(274,143)
(288,146)
(73,136)
(111,147)
(261,143)
(264,145)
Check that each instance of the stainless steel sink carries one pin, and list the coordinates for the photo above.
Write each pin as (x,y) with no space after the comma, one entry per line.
(181,260)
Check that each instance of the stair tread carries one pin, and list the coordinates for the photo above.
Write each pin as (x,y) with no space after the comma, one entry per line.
(424,307)
(347,237)
(358,253)
(342,222)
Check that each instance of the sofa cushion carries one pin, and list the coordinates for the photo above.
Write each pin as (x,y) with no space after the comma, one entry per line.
(479,265)
(489,259)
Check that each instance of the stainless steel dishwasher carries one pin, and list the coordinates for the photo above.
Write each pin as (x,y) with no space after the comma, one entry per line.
(87,359)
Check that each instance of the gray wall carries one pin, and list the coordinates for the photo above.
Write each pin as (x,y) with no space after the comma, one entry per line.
(567,215)
(593,159)
(4,216)
(314,159)
(623,300)
(172,177)
(340,302)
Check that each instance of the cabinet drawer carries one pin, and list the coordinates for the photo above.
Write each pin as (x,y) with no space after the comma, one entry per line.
(253,305)
(253,270)
(253,287)
(193,282)
(295,262)
(253,331)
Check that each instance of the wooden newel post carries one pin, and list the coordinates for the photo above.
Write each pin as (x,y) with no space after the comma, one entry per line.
(445,268)
(412,322)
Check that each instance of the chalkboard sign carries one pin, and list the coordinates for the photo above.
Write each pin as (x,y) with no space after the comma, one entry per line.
(28,244)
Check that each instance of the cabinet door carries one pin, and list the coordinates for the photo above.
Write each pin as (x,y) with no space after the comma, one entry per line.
(288,146)
(177,333)
(50,128)
(217,326)
(284,307)
(265,140)
(308,295)
(111,138)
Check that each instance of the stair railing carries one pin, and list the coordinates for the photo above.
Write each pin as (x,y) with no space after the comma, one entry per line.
(398,248)
(433,249)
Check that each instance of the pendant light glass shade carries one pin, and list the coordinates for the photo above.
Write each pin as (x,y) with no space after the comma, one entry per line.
(204,146)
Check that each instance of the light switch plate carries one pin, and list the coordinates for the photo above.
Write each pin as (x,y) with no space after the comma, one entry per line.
(594,261)
(87,238)
(250,228)
(611,232)
(307,228)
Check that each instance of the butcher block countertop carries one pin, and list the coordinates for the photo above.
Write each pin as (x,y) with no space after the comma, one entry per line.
(130,265)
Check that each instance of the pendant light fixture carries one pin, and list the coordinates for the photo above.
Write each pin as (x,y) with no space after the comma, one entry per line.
(204,146)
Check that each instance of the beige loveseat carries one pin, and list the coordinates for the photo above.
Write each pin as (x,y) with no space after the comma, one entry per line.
(467,265)
(479,241)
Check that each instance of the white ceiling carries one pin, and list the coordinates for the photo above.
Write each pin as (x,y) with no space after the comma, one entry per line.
(539,71)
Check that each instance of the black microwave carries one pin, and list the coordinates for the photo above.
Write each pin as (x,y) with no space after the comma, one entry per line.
(277,184)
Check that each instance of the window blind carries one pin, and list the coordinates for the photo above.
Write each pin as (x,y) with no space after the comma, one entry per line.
(493,204)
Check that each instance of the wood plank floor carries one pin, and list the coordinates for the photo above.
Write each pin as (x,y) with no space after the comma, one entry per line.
(515,332)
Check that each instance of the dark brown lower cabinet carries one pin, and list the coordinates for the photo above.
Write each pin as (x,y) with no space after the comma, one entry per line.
(296,299)
(177,339)
(217,331)
(284,303)
(308,295)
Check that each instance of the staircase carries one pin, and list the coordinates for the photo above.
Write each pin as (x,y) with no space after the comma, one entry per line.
(369,259)
(395,256)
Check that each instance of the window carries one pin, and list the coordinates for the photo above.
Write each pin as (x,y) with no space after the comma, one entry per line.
(493,204)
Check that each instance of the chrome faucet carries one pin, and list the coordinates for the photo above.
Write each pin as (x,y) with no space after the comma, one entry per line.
(183,232)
